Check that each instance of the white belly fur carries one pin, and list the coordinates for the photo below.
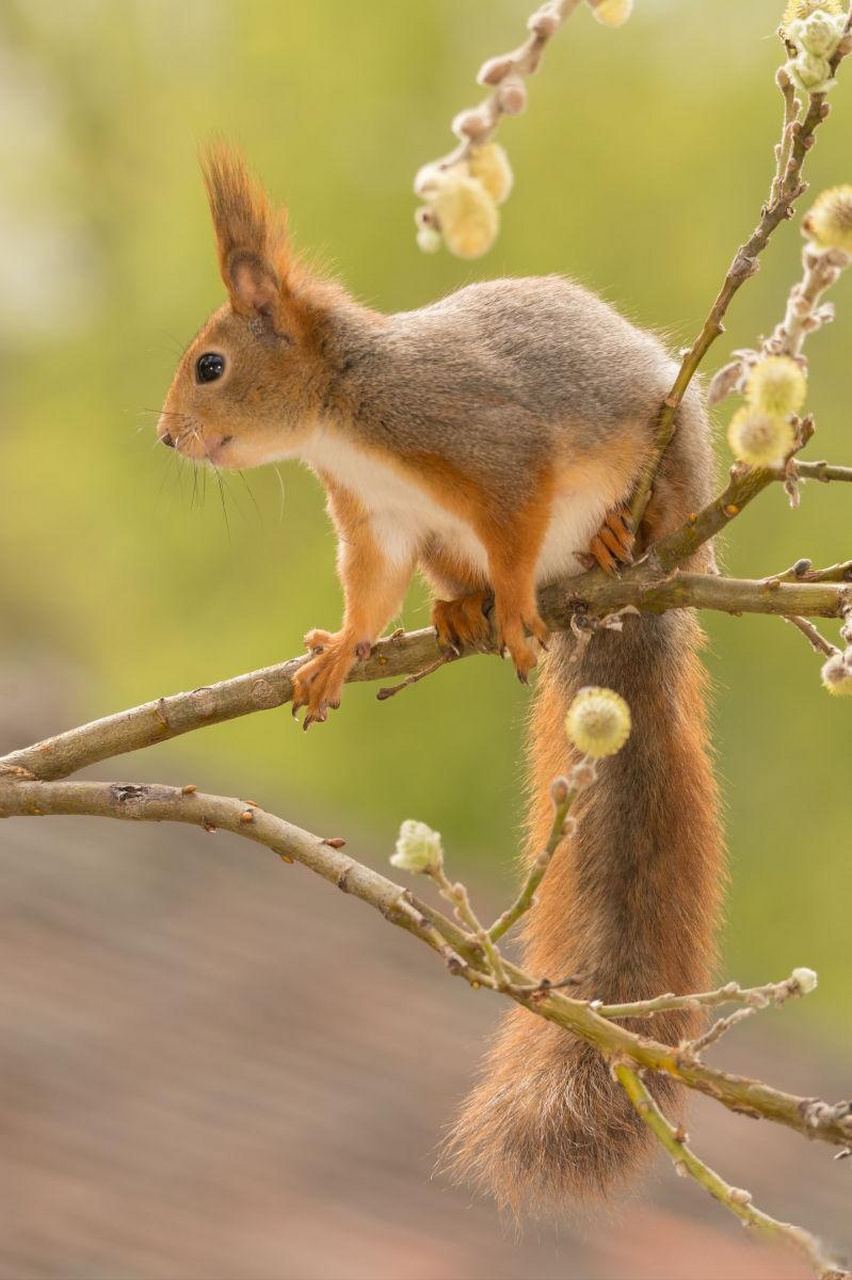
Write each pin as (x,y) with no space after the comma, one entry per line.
(403,515)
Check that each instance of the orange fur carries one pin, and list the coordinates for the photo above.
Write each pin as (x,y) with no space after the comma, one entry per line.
(629,908)
(373,592)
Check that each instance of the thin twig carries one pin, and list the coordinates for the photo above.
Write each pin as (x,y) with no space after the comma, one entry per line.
(815,637)
(739,1202)
(507,73)
(650,586)
(391,690)
(716,1030)
(780,207)
(458,896)
(564,798)
(732,993)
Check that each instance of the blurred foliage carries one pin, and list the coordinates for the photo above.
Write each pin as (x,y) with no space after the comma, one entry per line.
(640,165)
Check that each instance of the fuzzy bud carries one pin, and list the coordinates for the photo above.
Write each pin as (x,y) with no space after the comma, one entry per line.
(776,386)
(810,74)
(612,13)
(429,239)
(467,216)
(490,165)
(425,217)
(800,9)
(495,69)
(569,826)
(598,722)
(760,439)
(559,790)
(837,675)
(829,221)
(737,1195)
(818,34)
(469,124)
(805,979)
(545,22)
(418,848)
(584,774)
(428,179)
(512,96)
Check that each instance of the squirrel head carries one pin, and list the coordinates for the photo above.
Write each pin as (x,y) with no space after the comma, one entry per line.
(250,386)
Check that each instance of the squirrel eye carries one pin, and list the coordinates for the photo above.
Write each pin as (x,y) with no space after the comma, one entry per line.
(209,367)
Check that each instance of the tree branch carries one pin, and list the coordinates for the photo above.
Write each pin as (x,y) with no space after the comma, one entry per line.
(787,187)
(734,1198)
(154,803)
(732,993)
(645,586)
(507,73)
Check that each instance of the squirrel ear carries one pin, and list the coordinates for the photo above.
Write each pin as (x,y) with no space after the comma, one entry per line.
(251,237)
(252,284)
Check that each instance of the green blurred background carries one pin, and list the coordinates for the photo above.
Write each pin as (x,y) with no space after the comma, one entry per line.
(640,165)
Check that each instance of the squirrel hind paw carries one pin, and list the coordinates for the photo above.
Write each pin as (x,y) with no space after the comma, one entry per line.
(612,546)
(462,622)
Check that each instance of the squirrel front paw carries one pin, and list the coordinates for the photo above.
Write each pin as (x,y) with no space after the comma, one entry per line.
(318,685)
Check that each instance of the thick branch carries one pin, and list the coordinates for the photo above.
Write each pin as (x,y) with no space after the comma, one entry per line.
(644,586)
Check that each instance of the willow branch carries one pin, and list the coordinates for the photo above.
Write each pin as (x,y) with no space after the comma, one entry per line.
(19,797)
(506,73)
(820,471)
(739,1202)
(563,794)
(772,993)
(813,635)
(797,140)
(648,586)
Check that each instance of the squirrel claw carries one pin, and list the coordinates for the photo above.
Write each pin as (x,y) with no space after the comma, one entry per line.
(612,545)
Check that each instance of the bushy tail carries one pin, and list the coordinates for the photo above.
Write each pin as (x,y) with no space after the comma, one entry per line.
(630,905)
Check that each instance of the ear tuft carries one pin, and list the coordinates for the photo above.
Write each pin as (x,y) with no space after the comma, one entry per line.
(251,237)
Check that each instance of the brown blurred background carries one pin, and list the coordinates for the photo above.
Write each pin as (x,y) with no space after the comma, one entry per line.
(210,1066)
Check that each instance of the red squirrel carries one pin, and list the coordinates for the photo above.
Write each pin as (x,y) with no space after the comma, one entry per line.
(492,440)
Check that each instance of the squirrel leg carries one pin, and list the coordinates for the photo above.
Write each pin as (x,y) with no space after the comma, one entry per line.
(516,614)
(318,685)
(373,590)
(513,550)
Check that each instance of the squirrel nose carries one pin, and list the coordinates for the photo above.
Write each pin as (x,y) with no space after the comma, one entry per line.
(166,439)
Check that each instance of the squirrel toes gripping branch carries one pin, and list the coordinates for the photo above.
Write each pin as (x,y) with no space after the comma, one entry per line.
(492,441)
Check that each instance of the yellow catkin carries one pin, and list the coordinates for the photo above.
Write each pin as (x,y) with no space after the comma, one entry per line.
(760,439)
(804,8)
(598,722)
(777,386)
(613,13)
(836,676)
(490,165)
(467,216)
(829,221)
